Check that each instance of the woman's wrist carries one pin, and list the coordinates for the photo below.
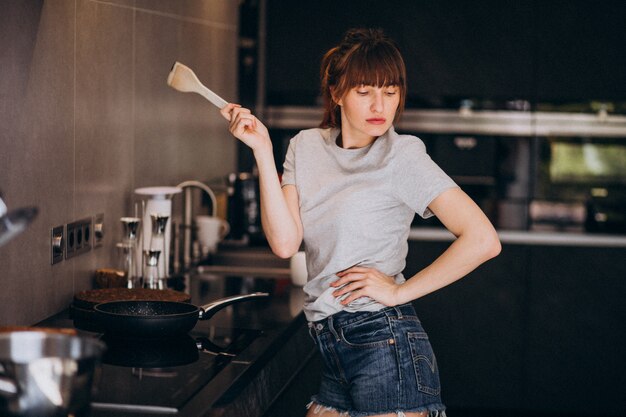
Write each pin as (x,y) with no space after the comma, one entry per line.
(401,294)
(264,151)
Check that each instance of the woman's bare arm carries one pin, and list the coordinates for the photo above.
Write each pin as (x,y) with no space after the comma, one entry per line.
(477,242)
(280,215)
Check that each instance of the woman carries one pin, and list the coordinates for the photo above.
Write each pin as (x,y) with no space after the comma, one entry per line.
(350,190)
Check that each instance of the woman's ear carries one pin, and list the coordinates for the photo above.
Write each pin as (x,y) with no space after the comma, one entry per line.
(337,100)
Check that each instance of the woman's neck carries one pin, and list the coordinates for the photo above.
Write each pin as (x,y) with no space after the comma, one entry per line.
(353,143)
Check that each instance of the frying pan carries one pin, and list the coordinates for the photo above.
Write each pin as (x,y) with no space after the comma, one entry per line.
(159,319)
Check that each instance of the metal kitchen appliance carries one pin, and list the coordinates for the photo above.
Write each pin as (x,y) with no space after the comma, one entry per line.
(128,250)
(244,208)
(47,374)
(185,258)
(158,201)
(14,222)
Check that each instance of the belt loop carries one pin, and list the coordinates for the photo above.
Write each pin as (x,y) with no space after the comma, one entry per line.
(398,312)
(311,330)
(332,328)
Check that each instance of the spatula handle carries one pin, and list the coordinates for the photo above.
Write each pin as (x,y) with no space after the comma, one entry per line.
(219,102)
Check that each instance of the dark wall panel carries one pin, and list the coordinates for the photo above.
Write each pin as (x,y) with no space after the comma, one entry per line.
(487,50)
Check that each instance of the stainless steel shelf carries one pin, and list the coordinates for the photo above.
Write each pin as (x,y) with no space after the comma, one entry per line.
(502,123)
(528,238)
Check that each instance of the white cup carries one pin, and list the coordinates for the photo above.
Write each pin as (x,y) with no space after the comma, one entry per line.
(210,231)
(297,269)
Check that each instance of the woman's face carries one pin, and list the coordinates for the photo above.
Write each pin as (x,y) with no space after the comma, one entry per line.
(367,112)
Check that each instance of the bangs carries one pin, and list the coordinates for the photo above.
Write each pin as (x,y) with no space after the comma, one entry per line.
(365,57)
(376,66)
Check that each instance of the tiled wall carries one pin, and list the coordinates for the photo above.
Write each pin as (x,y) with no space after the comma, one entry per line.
(86,117)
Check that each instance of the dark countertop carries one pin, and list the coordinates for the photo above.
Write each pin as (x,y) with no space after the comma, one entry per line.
(257,374)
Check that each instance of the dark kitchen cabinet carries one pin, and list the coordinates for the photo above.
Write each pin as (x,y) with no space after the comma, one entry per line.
(579,50)
(539,329)
(489,51)
(575,351)
(477,327)
(453,49)
(283,383)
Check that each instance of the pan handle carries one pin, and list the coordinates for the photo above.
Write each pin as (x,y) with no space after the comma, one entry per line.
(208,310)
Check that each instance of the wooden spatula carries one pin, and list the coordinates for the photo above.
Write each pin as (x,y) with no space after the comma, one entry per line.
(182,78)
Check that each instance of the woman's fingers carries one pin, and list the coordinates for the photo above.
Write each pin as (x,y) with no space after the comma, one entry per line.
(353,296)
(242,122)
(348,287)
(246,127)
(356,272)
(347,278)
(227,110)
(359,282)
(231,111)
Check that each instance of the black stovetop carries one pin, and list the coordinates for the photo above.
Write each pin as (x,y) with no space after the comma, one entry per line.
(212,363)
(162,375)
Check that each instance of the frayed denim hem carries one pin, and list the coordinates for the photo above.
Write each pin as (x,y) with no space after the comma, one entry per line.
(320,408)
(401,413)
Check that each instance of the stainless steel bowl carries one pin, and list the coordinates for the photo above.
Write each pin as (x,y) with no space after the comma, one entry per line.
(45,374)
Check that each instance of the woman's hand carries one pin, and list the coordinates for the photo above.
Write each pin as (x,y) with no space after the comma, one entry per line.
(246,127)
(360,281)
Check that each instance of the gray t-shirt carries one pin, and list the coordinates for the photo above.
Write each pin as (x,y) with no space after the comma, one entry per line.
(357,206)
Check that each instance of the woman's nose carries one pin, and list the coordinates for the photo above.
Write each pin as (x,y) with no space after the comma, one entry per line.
(377,103)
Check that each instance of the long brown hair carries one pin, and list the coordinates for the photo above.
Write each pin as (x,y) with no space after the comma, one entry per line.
(364,57)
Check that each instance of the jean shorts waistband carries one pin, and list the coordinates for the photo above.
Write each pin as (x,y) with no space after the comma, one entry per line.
(344,318)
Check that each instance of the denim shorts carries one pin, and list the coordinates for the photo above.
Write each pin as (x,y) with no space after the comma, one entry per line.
(376,363)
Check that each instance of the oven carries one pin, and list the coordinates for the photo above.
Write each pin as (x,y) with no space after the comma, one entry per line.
(581,183)
(494,170)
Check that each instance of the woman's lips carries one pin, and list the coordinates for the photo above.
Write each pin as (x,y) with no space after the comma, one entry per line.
(376,121)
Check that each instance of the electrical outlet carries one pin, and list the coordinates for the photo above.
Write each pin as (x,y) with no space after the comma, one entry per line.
(79,235)
(98,229)
(70,240)
(57,245)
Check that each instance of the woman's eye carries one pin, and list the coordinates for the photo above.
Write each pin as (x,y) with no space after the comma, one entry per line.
(361,93)
(390,93)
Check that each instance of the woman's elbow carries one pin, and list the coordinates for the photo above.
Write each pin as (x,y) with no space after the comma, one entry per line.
(490,245)
(284,250)
(284,253)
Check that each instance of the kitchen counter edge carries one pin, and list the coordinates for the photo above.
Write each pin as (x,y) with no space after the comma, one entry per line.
(518,237)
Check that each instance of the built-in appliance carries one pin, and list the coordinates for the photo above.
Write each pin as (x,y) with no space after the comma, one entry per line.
(470,160)
(587,172)
(526,169)
(489,168)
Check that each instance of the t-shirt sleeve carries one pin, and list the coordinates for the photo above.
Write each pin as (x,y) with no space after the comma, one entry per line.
(418,179)
(289,166)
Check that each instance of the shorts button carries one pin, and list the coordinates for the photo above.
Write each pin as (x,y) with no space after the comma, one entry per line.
(319,326)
